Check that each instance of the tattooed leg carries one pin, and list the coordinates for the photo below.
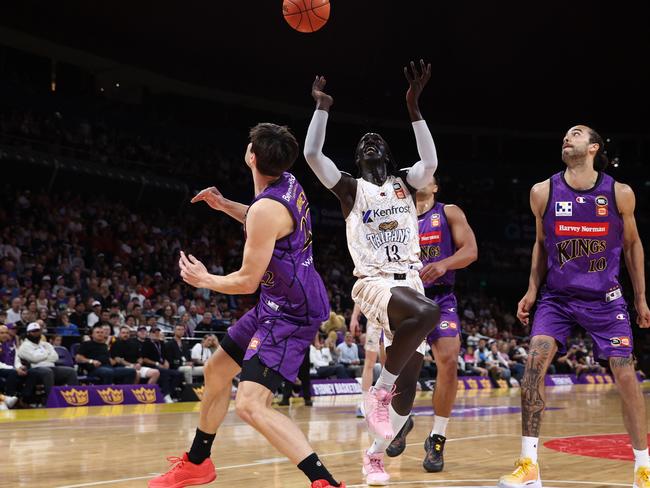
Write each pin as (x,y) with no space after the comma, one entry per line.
(542,351)
(634,416)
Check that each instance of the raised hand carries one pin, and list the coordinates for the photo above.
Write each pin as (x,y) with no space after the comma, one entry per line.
(417,80)
(323,100)
(212,197)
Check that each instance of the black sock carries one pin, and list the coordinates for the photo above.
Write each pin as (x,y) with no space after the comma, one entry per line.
(314,469)
(200,450)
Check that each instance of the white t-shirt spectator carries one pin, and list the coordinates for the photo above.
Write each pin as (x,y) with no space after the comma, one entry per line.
(200,353)
(92,319)
(319,357)
(13,317)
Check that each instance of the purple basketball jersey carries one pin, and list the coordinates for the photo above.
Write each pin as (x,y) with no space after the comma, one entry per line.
(584,238)
(291,284)
(436,242)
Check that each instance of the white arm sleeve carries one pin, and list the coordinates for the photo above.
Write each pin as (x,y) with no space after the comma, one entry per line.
(324,168)
(421,173)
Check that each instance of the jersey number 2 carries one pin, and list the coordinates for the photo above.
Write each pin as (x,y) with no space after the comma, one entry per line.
(391,253)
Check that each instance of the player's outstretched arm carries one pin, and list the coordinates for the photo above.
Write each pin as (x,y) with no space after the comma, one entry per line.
(421,173)
(266,222)
(633,251)
(342,185)
(217,201)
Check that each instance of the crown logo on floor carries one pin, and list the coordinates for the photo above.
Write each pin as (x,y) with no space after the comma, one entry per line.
(75,397)
(144,395)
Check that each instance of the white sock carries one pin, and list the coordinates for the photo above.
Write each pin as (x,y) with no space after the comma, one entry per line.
(397,421)
(439,425)
(529,447)
(641,458)
(386,380)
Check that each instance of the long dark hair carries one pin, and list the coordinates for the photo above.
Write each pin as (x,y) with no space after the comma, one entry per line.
(601,161)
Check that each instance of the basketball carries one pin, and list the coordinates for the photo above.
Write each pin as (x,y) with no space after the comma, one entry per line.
(306,15)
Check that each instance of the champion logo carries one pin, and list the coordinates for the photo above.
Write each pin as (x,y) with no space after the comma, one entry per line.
(581,199)
(620,316)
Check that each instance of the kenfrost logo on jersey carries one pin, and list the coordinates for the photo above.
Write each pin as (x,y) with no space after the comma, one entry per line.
(369,216)
(581,229)
(581,199)
(381,238)
(563,209)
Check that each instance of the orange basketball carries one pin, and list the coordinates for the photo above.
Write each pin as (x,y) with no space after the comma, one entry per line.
(306,15)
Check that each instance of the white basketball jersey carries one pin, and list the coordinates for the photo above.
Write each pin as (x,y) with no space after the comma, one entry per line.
(382,229)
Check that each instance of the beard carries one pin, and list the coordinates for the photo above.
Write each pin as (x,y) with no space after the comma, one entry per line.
(574,154)
(34,339)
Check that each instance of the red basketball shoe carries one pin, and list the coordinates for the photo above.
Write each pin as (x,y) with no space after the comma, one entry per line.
(183,473)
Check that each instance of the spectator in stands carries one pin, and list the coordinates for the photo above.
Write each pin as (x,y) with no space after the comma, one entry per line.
(470,364)
(65,327)
(516,367)
(429,369)
(39,357)
(166,320)
(331,342)
(179,356)
(153,356)
(10,371)
(497,365)
(93,356)
(56,341)
(126,352)
(322,362)
(93,316)
(189,325)
(474,337)
(13,314)
(481,354)
(205,326)
(349,356)
(568,362)
(202,351)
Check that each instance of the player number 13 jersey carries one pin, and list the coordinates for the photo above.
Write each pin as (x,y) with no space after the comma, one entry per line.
(382,229)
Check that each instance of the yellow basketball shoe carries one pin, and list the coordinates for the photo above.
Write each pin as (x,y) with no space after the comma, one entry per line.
(525,475)
(642,477)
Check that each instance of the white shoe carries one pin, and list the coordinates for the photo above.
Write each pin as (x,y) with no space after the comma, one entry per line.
(10,401)
(3,406)
(168,399)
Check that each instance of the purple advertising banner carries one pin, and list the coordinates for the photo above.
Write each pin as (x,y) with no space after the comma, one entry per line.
(90,396)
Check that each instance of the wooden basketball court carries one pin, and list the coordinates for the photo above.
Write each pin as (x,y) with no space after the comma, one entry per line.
(123,446)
